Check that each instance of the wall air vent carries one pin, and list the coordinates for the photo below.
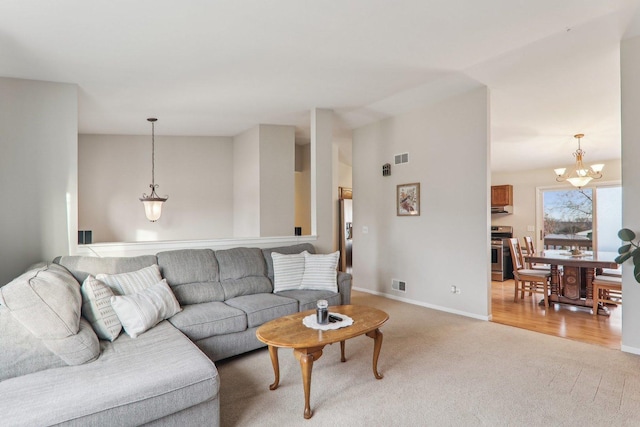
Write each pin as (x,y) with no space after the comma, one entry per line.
(401,158)
(398,285)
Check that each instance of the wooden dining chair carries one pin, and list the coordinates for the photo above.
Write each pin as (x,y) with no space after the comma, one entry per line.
(615,272)
(527,279)
(528,245)
(606,290)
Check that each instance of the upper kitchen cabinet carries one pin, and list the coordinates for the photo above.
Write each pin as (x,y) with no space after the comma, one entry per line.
(501,195)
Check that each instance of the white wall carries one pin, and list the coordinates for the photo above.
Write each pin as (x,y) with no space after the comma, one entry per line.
(246,183)
(525,184)
(38,178)
(303,189)
(277,183)
(630,78)
(448,244)
(324,181)
(115,170)
(264,182)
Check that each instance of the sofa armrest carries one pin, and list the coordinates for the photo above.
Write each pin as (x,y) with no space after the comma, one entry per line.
(344,287)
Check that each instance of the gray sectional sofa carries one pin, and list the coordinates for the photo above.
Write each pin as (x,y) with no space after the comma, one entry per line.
(166,375)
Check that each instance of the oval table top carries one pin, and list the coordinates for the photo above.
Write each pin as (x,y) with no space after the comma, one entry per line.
(288,331)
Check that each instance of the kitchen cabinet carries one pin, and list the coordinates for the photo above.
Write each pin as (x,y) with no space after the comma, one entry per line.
(501,195)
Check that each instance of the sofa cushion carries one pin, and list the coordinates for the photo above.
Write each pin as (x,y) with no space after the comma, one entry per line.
(133,382)
(78,348)
(287,271)
(97,309)
(307,299)
(82,266)
(47,302)
(21,352)
(143,310)
(286,250)
(242,272)
(192,274)
(320,272)
(205,320)
(131,282)
(261,308)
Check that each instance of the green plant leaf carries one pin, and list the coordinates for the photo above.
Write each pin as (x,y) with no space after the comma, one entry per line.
(622,258)
(636,272)
(624,248)
(626,235)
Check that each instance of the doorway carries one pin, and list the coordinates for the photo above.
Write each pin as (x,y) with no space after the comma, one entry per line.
(345,225)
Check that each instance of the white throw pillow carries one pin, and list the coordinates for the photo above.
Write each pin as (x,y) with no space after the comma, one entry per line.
(96,308)
(130,283)
(287,271)
(141,311)
(320,272)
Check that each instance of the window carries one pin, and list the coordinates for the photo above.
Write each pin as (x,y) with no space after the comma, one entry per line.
(584,219)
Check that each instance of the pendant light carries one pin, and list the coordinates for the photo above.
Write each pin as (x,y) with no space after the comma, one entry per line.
(580,175)
(153,203)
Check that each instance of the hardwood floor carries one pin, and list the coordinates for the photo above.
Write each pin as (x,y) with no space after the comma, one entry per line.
(562,320)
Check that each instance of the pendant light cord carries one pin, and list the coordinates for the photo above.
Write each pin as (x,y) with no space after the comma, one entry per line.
(153,154)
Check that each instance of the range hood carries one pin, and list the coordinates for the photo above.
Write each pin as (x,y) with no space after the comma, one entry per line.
(501,210)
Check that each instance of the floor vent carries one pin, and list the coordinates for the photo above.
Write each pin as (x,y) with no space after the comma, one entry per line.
(398,285)
(401,158)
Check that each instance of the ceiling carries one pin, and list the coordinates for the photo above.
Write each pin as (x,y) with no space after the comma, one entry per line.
(220,67)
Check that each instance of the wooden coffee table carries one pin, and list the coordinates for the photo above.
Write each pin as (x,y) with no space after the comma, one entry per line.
(307,343)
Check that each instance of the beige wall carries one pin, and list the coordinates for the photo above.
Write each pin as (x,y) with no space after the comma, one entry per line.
(38,172)
(246,183)
(345,175)
(448,244)
(115,170)
(277,180)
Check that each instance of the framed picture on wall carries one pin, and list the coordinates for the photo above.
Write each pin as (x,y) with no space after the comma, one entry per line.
(408,199)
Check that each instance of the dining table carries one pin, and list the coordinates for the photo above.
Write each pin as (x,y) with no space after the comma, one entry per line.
(577,271)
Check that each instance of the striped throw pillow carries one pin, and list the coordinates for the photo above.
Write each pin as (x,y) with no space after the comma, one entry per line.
(320,272)
(133,282)
(96,308)
(143,310)
(287,271)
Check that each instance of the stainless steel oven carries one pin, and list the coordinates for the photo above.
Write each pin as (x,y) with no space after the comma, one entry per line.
(501,265)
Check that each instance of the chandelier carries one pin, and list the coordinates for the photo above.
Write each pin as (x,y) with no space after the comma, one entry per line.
(580,175)
(153,203)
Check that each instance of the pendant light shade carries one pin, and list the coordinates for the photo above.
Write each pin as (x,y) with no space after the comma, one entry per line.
(152,202)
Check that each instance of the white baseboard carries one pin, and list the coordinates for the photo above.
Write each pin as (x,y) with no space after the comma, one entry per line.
(424,304)
(628,349)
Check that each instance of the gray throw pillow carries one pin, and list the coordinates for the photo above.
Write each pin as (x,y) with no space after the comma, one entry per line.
(47,302)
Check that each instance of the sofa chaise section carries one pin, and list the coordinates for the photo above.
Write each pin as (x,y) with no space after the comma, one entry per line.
(133,382)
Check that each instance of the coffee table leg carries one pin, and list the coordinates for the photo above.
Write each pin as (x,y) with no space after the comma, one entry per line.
(273,352)
(342,358)
(306,356)
(377,345)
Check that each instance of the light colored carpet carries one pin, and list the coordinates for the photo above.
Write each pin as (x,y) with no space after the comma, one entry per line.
(439,369)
